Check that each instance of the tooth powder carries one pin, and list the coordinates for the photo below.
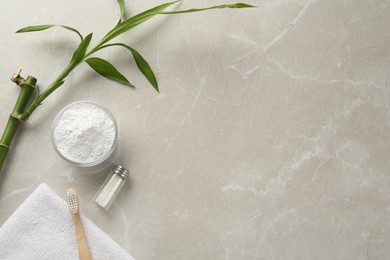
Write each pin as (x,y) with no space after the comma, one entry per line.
(84,133)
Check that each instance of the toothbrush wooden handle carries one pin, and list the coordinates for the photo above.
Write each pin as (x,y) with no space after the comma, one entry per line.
(84,253)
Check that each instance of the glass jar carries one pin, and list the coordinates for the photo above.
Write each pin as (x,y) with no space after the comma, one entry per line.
(111,186)
(80,129)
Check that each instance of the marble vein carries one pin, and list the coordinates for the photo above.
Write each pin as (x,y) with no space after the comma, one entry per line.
(322,81)
(291,25)
(201,83)
(14,193)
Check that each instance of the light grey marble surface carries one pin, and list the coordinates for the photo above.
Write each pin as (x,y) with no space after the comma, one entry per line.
(269,140)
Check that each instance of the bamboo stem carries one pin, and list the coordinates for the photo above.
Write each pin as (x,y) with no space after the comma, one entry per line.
(56,83)
(21,112)
(27,88)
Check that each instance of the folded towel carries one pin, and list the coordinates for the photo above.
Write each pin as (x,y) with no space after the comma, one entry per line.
(42,228)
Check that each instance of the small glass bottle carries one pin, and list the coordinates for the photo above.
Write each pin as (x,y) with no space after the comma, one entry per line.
(111,186)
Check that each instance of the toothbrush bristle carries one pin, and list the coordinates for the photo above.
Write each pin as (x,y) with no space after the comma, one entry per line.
(72,200)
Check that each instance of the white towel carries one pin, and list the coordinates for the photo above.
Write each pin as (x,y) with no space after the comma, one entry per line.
(42,228)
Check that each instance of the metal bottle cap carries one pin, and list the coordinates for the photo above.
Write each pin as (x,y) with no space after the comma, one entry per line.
(121,171)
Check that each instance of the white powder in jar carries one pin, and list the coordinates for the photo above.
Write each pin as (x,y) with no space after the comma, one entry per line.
(84,132)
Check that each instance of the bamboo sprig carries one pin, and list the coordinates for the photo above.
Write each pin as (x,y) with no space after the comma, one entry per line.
(83,53)
(101,66)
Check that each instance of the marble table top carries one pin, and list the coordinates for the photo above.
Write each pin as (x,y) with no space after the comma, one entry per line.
(269,139)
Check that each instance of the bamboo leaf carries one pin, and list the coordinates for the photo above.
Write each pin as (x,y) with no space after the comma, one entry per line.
(107,70)
(237,5)
(142,64)
(144,16)
(73,30)
(122,7)
(35,28)
(79,53)
(42,27)
(134,21)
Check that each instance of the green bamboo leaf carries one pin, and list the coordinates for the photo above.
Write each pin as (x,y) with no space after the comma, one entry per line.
(134,21)
(35,28)
(73,30)
(142,64)
(144,16)
(42,27)
(122,7)
(79,53)
(237,5)
(107,70)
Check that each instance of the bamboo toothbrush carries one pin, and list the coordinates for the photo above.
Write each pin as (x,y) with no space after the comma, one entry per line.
(73,203)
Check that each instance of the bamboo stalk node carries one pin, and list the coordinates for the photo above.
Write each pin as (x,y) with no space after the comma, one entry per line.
(23,83)
(20,81)
(17,116)
(4,145)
